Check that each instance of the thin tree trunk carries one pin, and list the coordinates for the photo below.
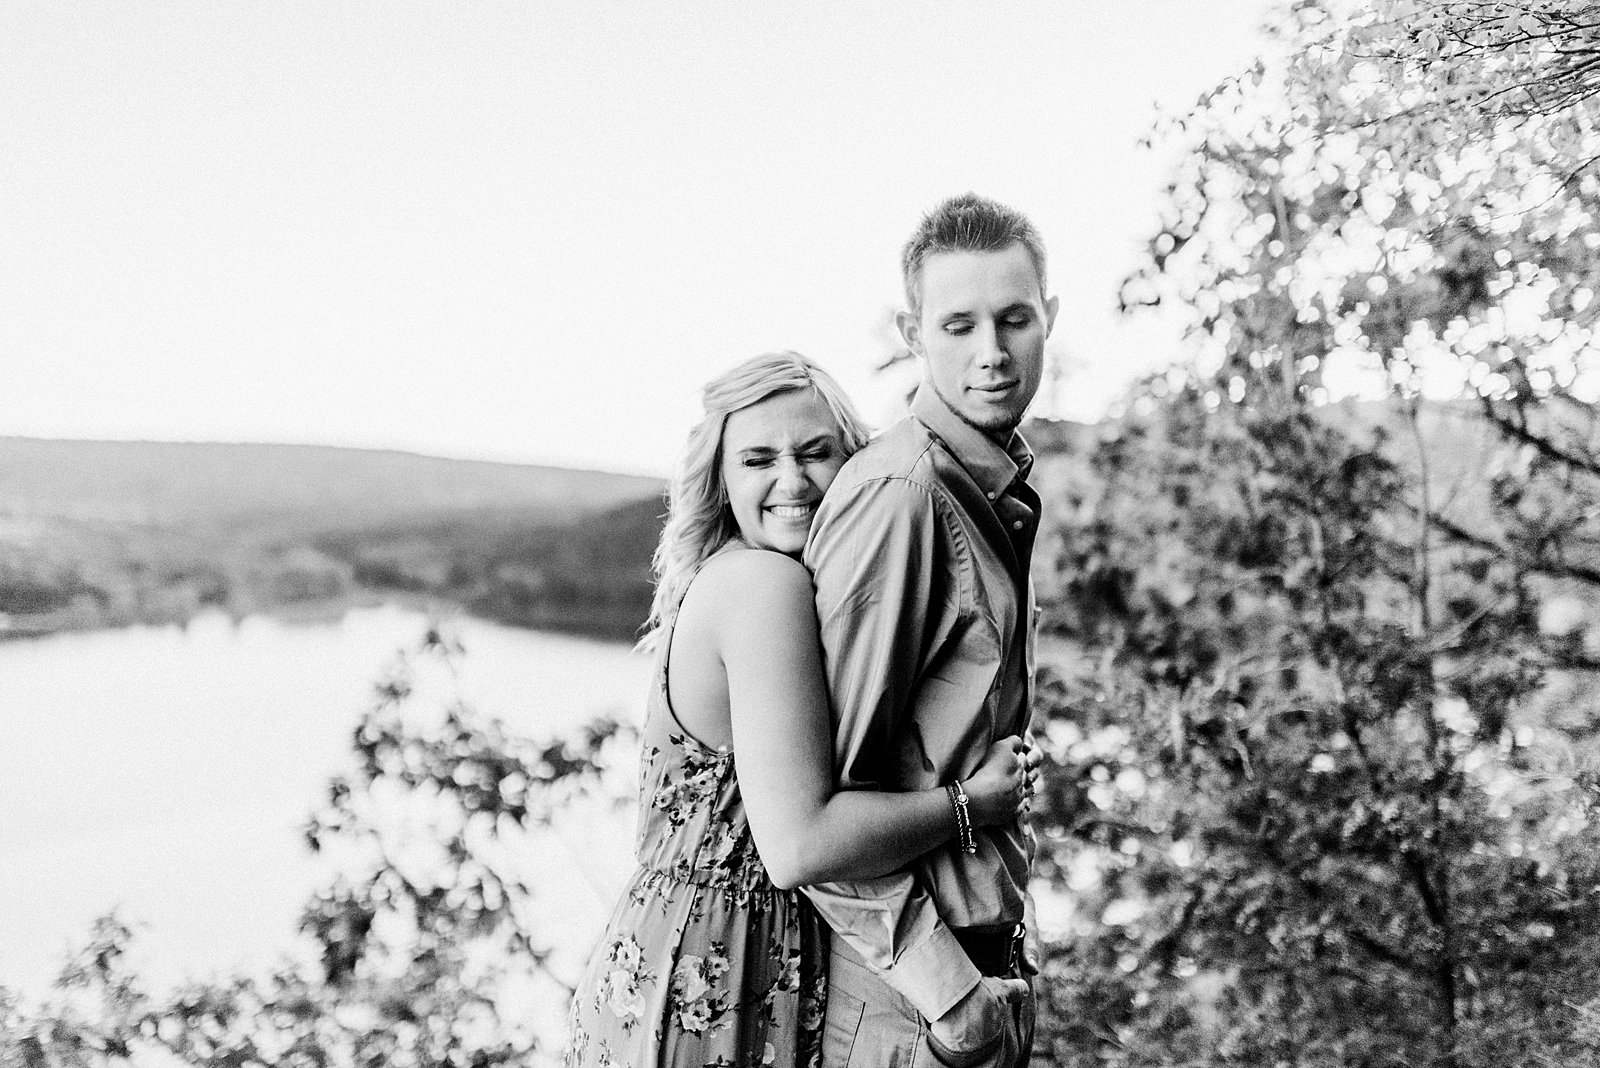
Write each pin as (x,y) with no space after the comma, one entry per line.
(1435,876)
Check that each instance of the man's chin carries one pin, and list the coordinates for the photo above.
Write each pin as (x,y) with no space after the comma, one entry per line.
(992,419)
(989,421)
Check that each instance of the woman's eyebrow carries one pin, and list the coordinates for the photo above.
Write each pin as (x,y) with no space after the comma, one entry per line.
(768,450)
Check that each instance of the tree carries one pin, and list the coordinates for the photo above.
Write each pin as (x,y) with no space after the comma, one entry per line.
(421,952)
(1326,791)
(1483,59)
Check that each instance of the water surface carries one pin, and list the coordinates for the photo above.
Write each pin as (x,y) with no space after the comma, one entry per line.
(166,771)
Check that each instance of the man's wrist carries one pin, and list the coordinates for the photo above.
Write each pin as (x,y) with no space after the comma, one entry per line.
(935,974)
(971,1028)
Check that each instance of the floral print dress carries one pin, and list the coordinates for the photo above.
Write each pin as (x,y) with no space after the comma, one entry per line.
(704,962)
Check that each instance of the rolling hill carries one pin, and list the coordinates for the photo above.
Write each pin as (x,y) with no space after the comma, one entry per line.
(107,533)
(178,484)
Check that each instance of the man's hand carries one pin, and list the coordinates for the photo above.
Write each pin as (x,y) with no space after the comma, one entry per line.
(977,1020)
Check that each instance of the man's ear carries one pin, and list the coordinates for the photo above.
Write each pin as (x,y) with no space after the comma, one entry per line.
(910,326)
(1051,306)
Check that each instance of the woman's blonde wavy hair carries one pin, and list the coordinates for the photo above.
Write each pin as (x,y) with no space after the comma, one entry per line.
(699,518)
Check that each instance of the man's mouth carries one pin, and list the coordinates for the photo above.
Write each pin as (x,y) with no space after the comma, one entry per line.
(996,387)
(792,511)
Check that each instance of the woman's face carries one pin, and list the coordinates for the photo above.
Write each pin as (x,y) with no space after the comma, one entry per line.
(778,458)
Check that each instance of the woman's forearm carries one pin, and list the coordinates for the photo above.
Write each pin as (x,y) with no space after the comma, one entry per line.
(856,834)
(806,829)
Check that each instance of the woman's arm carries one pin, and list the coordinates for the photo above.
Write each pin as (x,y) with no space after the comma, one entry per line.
(766,634)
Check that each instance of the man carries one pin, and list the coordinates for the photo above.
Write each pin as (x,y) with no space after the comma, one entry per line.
(920,556)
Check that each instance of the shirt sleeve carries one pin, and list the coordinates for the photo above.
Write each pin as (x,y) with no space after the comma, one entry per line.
(883,603)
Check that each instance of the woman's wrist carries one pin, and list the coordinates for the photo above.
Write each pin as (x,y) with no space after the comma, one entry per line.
(961,810)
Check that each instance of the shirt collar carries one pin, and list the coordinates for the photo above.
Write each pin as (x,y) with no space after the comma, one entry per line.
(993,468)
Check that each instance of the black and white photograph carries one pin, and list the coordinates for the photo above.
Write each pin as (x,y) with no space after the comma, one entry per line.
(616,534)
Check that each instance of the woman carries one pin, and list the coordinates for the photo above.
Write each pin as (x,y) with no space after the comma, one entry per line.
(712,957)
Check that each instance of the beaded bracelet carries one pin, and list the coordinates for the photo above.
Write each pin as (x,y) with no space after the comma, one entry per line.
(958,801)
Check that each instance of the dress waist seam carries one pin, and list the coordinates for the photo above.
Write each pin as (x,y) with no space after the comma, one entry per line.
(654,873)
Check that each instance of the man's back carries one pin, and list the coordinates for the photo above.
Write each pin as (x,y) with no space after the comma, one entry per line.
(918,580)
(923,603)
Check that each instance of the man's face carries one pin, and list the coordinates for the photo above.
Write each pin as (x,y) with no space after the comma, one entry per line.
(981,332)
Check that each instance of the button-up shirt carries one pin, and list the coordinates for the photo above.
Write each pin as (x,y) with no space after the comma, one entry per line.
(920,557)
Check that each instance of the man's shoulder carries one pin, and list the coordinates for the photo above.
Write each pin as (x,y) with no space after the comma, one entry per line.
(903,452)
(887,487)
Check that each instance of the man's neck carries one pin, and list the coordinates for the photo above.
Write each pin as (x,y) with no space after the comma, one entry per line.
(1001,438)
(992,461)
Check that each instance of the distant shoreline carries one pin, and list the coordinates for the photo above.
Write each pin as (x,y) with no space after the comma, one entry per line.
(23,627)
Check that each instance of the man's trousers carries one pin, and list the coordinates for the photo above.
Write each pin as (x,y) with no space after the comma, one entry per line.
(869,1024)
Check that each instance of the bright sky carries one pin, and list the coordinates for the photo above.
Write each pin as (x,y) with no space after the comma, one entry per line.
(530,231)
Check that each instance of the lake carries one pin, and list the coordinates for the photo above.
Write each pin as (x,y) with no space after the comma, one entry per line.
(167,771)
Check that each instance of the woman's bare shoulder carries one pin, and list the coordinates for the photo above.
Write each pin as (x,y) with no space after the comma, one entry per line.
(753,578)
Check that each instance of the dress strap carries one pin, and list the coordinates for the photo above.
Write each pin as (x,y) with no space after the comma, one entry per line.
(663,657)
(669,624)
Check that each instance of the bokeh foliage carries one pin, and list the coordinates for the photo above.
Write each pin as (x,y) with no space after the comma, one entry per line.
(1326,775)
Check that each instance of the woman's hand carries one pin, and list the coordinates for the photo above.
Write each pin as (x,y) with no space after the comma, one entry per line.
(1000,791)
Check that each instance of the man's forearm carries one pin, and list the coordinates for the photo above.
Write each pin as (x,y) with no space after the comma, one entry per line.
(891,924)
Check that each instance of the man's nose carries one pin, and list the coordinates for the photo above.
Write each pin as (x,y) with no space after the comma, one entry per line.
(989,353)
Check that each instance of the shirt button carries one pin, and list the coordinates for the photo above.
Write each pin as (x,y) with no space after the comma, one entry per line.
(993,495)
(1016,524)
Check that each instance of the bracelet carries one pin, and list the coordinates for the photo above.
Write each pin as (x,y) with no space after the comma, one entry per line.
(958,801)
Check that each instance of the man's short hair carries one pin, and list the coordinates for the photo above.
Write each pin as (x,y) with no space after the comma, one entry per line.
(967,223)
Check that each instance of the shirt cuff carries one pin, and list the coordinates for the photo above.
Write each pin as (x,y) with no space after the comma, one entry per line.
(934,974)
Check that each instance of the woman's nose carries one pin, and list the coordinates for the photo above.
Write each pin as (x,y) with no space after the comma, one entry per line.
(791,473)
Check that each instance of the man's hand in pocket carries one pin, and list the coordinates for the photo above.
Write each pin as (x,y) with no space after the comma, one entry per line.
(969,1033)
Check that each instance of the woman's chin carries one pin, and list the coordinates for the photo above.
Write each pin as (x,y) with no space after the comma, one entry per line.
(789,539)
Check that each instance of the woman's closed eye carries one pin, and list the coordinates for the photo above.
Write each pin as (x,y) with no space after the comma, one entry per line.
(818,454)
